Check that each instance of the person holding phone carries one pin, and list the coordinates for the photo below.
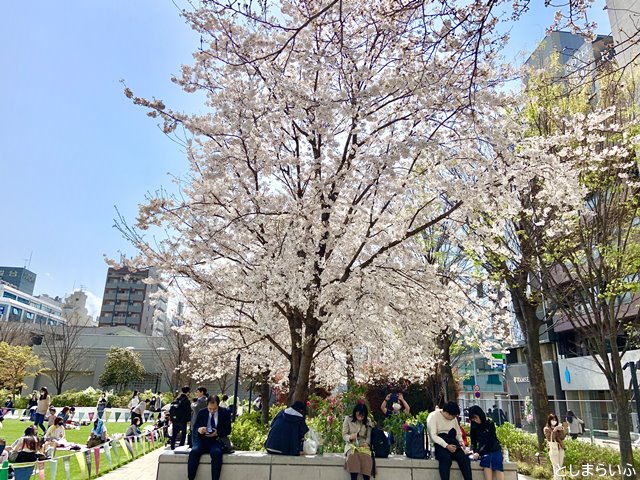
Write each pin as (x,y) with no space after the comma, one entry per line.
(393,403)
(213,425)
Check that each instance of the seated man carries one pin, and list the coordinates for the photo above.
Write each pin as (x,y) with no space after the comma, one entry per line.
(287,432)
(444,432)
(213,425)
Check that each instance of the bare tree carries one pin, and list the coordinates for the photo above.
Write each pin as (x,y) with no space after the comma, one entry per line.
(63,353)
(174,359)
(15,333)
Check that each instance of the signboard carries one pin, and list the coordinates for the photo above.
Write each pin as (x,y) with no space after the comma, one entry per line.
(476,394)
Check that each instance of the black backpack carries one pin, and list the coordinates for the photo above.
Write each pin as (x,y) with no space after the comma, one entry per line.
(415,445)
(379,443)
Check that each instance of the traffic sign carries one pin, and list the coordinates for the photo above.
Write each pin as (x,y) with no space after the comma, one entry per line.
(476,388)
(476,394)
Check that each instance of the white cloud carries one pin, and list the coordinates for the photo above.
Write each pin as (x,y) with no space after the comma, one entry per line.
(94,303)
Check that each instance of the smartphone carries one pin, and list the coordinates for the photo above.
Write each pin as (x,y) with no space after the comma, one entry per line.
(394,398)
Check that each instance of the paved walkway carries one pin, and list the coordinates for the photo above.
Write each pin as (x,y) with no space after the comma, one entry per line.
(144,468)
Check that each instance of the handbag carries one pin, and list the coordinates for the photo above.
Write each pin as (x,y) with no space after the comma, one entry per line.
(227,446)
(13,456)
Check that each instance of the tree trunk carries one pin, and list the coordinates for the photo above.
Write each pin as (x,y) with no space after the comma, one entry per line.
(351,374)
(530,325)
(620,400)
(623,414)
(444,342)
(301,391)
(265,391)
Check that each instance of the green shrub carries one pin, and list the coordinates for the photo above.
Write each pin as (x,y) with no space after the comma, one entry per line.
(74,398)
(522,446)
(248,433)
(524,468)
(541,472)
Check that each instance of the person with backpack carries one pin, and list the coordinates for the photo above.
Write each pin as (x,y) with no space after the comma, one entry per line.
(356,432)
(180,412)
(485,443)
(444,432)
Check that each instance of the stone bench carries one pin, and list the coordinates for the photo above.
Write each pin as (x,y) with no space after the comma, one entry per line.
(262,466)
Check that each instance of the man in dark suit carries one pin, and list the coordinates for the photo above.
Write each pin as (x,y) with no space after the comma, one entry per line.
(213,426)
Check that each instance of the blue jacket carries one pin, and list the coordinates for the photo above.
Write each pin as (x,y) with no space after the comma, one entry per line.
(286,434)
(223,426)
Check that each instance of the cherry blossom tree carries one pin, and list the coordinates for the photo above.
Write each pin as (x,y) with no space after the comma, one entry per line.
(338,133)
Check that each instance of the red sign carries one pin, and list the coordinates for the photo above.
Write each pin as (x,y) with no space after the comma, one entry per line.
(477,394)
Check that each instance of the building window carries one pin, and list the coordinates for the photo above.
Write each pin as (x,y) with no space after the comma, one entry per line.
(15,314)
(9,295)
(494,380)
(28,317)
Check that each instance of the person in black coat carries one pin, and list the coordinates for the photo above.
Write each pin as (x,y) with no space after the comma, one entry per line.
(485,443)
(213,425)
(287,432)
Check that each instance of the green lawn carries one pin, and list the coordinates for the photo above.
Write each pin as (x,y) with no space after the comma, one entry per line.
(13,429)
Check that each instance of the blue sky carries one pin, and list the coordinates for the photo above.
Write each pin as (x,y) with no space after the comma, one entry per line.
(73,147)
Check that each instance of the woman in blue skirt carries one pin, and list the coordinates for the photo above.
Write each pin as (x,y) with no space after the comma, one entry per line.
(485,444)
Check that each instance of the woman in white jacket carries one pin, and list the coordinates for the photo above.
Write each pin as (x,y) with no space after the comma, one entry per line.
(356,432)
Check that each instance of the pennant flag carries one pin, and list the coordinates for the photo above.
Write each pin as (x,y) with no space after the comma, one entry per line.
(82,462)
(4,470)
(106,415)
(4,411)
(80,417)
(146,416)
(144,441)
(23,473)
(91,415)
(124,446)
(152,438)
(87,457)
(118,415)
(66,463)
(107,453)
(96,456)
(41,470)
(114,445)
(53,469)
(127,416)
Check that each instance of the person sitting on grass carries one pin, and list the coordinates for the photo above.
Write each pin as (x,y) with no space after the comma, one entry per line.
(55,435)
(98,434)
(287,431)
(30,432)
(134,428)
(28,452)
(51,417)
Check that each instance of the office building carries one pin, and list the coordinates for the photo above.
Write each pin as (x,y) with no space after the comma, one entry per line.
(18,306)
(133,298)
(21,278)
